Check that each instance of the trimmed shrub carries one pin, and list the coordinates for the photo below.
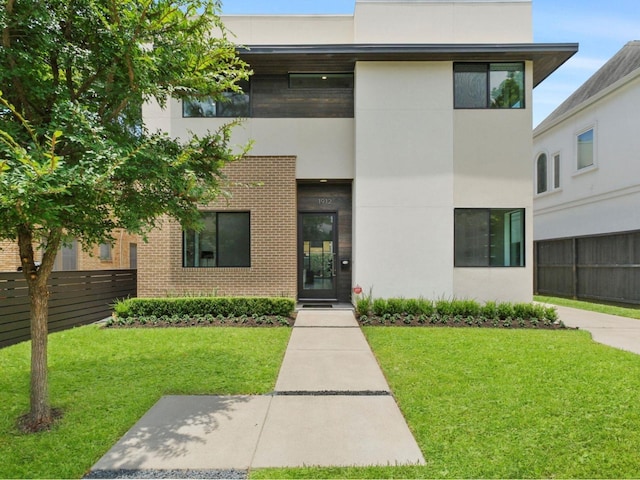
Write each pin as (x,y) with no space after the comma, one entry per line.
(224,306)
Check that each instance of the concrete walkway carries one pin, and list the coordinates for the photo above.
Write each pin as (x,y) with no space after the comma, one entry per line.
(619,332)
(331,407)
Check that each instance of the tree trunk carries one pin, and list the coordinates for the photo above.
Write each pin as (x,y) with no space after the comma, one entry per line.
(40,415)
(40,409)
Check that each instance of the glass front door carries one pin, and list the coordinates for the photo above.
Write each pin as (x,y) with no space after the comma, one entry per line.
(318,256)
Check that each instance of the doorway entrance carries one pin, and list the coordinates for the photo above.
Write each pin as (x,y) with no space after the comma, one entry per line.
(319,255)
(324,241)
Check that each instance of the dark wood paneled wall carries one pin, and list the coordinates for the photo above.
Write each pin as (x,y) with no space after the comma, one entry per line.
(271,97)
(314,197)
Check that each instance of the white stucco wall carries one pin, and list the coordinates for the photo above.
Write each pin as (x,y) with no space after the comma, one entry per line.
(443,21)
(324,146)
(403,187)
(605,198)
(492,170)
(289,29)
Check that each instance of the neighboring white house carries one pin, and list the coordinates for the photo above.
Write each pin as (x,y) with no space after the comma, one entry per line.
(587,179)
(394,146)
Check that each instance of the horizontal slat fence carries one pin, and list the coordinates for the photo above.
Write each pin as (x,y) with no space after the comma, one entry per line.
(599,267)
(77,298)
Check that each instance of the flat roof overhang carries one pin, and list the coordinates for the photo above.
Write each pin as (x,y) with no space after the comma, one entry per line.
(282,59)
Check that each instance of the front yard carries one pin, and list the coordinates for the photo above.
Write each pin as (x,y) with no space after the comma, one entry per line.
(490,403)
(482,403)
(105,380)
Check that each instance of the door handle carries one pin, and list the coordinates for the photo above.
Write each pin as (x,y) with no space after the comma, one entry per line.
(334,271)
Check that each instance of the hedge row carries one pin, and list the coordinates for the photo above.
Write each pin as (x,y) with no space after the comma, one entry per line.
(368,306)
(224,306)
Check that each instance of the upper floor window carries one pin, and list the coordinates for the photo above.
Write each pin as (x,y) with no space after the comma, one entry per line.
(488,85)
(321,80)
(225,241)
(541,173)
(231,104)
(489,237)
(556,171)
(585,150)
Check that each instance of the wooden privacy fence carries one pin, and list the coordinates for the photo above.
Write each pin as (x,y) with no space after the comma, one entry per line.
(599,267)
(77,298)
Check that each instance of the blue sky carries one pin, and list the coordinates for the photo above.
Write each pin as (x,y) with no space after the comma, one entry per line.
(601,27)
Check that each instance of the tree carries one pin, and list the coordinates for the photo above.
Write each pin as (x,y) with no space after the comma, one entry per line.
(76,160)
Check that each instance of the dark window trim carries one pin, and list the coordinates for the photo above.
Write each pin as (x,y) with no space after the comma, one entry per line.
(217,257)
(488,210)
(488,71)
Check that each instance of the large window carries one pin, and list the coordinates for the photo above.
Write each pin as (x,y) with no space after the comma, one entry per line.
(488,85)
(225,241)
(489,237)
(585,149)
(231,104)
(541,173)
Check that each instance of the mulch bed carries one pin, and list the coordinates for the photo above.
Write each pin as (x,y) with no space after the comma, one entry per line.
(251,322)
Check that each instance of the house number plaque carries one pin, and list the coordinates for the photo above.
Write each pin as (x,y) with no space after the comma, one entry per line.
(325,201)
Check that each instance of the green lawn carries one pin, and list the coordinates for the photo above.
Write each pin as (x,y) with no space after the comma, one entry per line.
(629,312)
(486,403)
(105,380)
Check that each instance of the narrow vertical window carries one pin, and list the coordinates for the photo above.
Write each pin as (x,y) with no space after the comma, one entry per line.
(556,171)
(541,173)
(585,149)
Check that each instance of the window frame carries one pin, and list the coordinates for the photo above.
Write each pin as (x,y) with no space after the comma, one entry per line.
(216,256)
(246,92)
(458,263)
(556,173)
(487,71)
(105,252)
(545,177)
(576,145)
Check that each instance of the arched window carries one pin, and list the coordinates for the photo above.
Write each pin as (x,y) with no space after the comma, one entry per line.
(541,173)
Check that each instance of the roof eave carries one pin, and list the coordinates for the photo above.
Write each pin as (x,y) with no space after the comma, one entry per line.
(546,57)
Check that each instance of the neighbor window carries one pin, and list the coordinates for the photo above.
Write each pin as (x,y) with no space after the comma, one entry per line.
(231,104)
(67,257)
(556,171)
(489,237)
(225,241)
(541,173)
(321,80)
(105,252)
(488,85)
(585,149)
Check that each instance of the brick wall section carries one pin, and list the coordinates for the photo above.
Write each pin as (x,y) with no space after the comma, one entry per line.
(273,239)
(9,258)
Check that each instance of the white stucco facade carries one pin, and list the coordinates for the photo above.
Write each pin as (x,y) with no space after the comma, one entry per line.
(410,156)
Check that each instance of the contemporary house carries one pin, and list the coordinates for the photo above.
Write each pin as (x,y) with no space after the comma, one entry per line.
(587,187)
(392,148)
